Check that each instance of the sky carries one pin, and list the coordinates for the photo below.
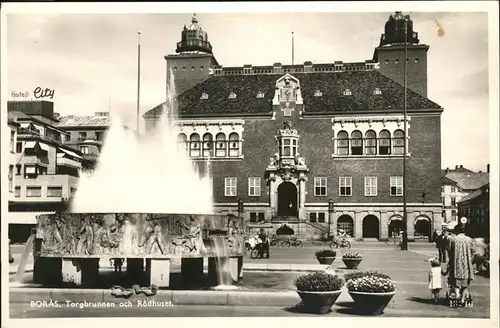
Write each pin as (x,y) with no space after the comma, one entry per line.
(90,60)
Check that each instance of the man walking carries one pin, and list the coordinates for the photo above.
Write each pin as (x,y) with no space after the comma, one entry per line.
(264,246)
(441,244)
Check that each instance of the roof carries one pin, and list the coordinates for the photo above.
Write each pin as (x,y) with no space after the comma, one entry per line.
(469,180)
(20,116)
(84,121)
(332,86)
(478,192)
(456,169)
(445,179)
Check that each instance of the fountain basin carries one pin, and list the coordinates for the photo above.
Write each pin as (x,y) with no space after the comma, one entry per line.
(148,241)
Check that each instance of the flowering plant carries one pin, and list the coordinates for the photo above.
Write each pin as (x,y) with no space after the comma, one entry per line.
(370,282)
(326,253)
(319,282)
(352,255)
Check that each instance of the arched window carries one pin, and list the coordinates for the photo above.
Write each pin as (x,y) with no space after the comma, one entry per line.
(234,145)
(356,143)
(370,142)
(342,143)
(399,142)
(208,147)
(220,145)
(194,145)
(182,142)
(384,142)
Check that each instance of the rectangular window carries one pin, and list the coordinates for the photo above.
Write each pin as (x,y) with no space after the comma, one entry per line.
(18,169)
(453,201)
(72,192)
(253,217)
(19,147)
(85,149)
(442,189)
(54,191)
(399,146)
(17,191)
(396,186)
(345,186)
(370,186)
(12,139)
(444,201)
(254,186)
(312,217)
(11,177)
(342,146)
(33,191)
(321,217)
(30,171)
(453,189)
(82,135)
(320,186)
(98,136)
(261,216)
(230,187)
(384,146)
(287,148)
(370,146)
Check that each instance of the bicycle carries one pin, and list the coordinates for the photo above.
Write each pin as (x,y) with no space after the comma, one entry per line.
(342,244)
(293,242)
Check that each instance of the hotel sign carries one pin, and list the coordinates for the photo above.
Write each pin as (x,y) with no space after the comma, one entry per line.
(38,93)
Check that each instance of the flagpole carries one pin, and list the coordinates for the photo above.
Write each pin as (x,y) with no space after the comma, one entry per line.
(138,76)
(293,47)
(404,245)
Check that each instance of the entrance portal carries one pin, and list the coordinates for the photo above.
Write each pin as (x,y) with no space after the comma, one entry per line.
(395,226)
(422,227)
(371,227)
(287,199)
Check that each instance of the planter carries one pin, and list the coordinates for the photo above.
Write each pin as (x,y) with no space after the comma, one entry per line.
(319,302)
(352,263)
(371,303)
(326,260)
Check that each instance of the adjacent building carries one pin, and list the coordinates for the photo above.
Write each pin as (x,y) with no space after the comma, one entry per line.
(45,169)
(476,208)
(86,133)
(313,147)
(455,185)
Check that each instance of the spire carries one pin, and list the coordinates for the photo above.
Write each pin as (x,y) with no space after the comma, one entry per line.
(194,39)
(395,30)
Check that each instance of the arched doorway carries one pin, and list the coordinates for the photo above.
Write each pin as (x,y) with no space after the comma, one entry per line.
(371,227)
(422,227)
(287,199)
(396,226)
(345,224)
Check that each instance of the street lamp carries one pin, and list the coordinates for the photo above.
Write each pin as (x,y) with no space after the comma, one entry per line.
(240,207)
(330,211)
(404,243)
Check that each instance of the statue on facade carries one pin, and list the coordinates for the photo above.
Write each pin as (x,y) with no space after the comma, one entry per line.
(300,160)
(153,236)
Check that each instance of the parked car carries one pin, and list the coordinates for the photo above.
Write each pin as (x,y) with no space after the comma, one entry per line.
(11,259)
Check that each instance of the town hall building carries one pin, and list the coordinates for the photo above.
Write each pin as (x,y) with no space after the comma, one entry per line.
(316,147)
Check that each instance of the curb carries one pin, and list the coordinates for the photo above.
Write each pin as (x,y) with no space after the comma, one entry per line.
(164,298)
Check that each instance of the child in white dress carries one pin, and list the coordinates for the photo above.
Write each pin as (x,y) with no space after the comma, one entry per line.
(435,283)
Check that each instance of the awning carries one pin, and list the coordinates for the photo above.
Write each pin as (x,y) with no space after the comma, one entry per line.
(70,153)
(30,144)
(44,146)
(24,217)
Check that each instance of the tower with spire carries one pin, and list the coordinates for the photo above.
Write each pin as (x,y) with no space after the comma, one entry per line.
(193,60)
(390,53)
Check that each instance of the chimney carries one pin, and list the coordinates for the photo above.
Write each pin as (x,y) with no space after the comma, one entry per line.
(56,116)
(461,166)
(447,169)
(488,168)
(456,167)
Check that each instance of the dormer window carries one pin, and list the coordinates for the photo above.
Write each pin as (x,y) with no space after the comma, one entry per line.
(347,92)
(232,95)
(318,93)
(204,95)
(260,94)
(416,60)
(377,91)
(175,69)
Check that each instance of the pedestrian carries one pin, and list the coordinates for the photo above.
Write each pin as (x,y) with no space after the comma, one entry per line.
(440,241)
(435,283)
(461,268)
(479,254)
(264,246)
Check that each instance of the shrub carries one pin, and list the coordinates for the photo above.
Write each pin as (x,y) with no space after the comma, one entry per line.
(326,253)
(319,282)
(352,255)
(369,282)
(359,274)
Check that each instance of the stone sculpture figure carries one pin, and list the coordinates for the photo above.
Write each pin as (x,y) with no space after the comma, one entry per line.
(192,241)
(85,237)
(153,236)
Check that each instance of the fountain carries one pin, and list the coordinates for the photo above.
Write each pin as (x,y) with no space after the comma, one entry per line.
(119,212)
